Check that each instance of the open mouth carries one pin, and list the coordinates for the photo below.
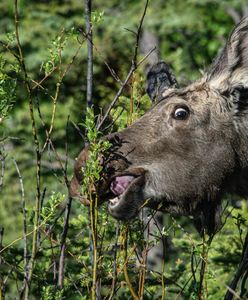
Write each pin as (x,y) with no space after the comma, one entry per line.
(119,186)
(127,192)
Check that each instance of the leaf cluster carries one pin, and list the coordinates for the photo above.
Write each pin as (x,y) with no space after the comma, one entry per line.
(7,87)
(93,167)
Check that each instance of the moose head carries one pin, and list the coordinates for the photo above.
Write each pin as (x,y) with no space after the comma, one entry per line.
(190,148)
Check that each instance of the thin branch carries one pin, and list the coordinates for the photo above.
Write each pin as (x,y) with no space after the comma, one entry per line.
(12,52)
(49,131)
(233,293)
(25,248)
(133,68)
(78,130)
(2,159)
(25,291)
(1,237)
(66,145)
(63,246)
(204,262)
(87,17)
(114,279)
(66,223)
(55,99)
(99,125)
(66,180)
(125,246)
(111,70)
(117,96)
(107,128)
(66,226)
(96,284)
(2,283)
(134,62)
(38,84)
(146,56)
(143,263)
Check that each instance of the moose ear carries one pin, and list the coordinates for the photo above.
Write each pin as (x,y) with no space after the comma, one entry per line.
(230,69)
(159,78)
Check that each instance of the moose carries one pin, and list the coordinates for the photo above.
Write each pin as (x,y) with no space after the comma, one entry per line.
(189,149)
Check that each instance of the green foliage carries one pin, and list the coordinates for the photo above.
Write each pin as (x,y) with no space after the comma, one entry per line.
(7,88)
(50,209)
(223,256)
(190,33)
(51,293)
(93,168)
(55,54)
(97,17)
(131,108)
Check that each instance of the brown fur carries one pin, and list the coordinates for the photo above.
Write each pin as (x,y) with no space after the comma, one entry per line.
(185,166)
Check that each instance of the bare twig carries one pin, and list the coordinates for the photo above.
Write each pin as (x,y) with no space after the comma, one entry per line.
(63,245)
(25,290)
(1,238)
(64,169)
(129,284)
(66,222)
(95,289)
(38,84)
(117,96)
(134,62)
(143,263)
(2,160)
(55,99)
(68,203)
(78,130)
(93,222)
(114,280)
(134,66)
(233,293)
(111,70)
(25,249)
(87,17)
(66,180)
(7,47)
(107,128)
(2,284)
(66,146)
(192,263)
(204,260)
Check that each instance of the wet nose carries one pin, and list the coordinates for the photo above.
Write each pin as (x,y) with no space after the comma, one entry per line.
(114,138)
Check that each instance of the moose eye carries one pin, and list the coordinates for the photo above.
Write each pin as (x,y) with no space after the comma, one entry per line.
(181,113)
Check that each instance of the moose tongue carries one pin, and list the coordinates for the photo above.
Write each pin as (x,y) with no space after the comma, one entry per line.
(120,184)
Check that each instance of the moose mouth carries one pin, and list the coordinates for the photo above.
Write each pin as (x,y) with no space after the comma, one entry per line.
(128,195)
(119,185)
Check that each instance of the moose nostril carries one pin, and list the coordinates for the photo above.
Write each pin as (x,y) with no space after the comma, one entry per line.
(114,138)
